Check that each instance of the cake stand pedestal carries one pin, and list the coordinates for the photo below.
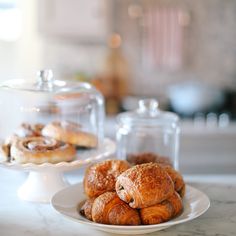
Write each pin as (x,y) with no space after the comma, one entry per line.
(46,179)
(41,186)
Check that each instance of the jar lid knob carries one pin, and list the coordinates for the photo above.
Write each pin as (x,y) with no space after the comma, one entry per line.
(45,79)
(148,105)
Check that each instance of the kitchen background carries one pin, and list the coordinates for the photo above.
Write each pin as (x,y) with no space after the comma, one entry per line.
(182,52)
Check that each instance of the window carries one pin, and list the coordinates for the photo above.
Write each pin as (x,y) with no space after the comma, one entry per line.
(10,20)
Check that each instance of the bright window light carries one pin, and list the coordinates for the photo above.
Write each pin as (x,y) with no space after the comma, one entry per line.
(10,21)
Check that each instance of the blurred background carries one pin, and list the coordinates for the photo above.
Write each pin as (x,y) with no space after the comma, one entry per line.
(182,52)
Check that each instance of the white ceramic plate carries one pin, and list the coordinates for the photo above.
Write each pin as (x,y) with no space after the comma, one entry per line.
(66,202)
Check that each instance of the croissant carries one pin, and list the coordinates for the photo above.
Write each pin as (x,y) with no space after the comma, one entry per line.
(163,211)
(86,209)
(156,214)
(144,185)
(101,177)
(177,204)
(177,179)
(109,209)
(181,192)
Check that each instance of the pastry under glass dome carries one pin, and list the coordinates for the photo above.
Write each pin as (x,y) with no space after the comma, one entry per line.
(43,115)
(47,100)
(148,134)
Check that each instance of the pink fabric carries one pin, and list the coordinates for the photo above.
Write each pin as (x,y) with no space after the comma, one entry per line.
(163,38)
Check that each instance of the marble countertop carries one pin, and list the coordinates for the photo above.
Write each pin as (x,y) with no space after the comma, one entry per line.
(20,218)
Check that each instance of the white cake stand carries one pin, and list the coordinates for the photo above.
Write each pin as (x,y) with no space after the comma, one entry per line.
(46,179)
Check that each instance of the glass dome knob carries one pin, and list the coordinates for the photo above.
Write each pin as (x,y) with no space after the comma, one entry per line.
(148,105)
(45,79)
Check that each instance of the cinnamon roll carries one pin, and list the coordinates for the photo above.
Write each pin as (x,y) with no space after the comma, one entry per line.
(39,150)
(71,133)
(109,209)
(29,130)
(101,177)
(144,185)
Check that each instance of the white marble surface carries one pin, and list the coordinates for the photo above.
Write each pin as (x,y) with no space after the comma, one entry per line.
(23,218)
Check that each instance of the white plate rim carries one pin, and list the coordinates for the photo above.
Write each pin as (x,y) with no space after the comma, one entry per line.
(135,227)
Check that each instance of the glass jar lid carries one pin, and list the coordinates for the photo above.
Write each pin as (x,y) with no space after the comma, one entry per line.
(46,84)
(148,113)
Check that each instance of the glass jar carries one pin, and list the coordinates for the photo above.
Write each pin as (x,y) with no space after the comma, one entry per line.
(46,100)
(148,135)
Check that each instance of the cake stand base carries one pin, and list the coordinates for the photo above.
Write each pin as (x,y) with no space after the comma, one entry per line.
(40,186)
(46,179)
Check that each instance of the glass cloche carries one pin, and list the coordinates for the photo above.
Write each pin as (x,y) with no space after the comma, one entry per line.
(51,108)
(148,135)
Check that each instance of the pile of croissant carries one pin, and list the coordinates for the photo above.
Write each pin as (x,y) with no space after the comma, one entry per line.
(145,194)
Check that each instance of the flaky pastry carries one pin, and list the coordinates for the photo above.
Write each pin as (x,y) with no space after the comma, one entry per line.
(101,177)
(71,133)
(39,150)
(144,185)
(108,208)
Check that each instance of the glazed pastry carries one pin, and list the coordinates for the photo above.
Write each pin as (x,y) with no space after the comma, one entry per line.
(29,130)
(39,150)
(71,133)
(144,185)
(109,209)
(101,177)
(177,179)
(163,211)
(86,209)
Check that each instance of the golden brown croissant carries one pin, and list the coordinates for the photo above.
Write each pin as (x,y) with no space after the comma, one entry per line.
(86,209)
(163,211)
(177,179)
(101,177)
(156,214)
(109,209)
(144,185)
(181,192)
(176,202)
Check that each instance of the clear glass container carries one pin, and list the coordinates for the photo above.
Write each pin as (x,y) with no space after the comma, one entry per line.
(45,100)
(148,135)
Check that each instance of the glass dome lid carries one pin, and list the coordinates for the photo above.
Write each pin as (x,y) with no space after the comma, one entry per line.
(48,101)
(47,84)
(148,113)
